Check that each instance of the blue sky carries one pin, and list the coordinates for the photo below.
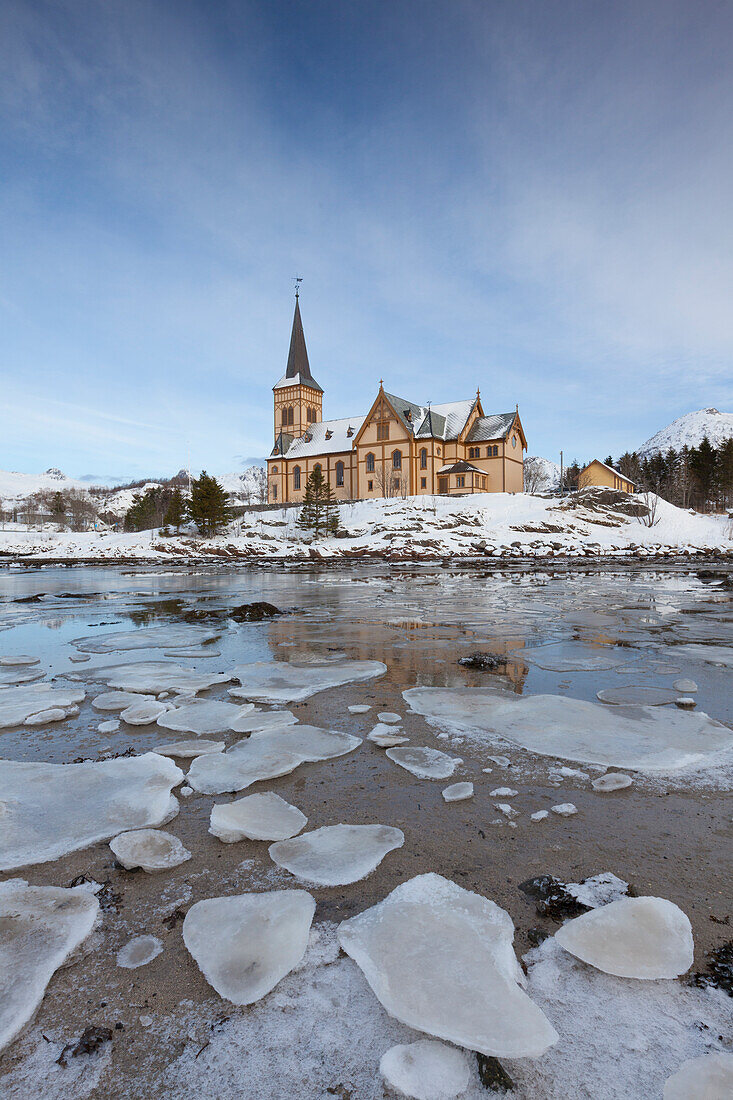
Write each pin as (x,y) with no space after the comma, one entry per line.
(530,197)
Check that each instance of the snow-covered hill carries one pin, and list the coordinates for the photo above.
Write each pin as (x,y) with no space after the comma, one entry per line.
(16,487)
(689,430)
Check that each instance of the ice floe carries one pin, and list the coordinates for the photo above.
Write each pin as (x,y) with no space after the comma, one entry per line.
(539,815)
(186,750)
(143,713)
(424,762)
(612,781)
(40,926)
(139,951)
(11,677)
(707,1078)
(426,1070)
(359,708)
(565,809)
(503,792)
(152,677)
(457,792)
(709,654)
(571,657)
(256,817)
(389,718)
(116,700)
(440,959)
(204,716)
(636,695)
(283,682)
(46,717)
(147,637)
(109,727)
(20,703)
(387,736)
(646,938)
(49,810)
(244,945)
(337,854)
(150,849)
(19,660)
(684,685)
(639,738)
(262,720)
(598,890)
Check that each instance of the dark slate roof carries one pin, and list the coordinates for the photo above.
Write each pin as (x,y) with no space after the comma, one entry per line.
(490,427)
(298,370)
(282,445)
(461,467)
(402,407)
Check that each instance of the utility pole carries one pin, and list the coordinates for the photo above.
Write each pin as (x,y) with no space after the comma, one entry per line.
(560,471)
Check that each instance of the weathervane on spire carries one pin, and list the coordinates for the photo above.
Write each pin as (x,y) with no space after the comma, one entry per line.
(297,280)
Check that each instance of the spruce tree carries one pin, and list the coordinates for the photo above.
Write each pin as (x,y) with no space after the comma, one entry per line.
(176,512)
(319,512)
(209,508)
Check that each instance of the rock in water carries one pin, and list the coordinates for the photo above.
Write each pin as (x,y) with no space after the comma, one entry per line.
(151,849)
(645,938)
(40,926)
(457,792)
(425,763)
(425,1070)
(139,952)
(256,817)
(440,959)
(244,945)
(337,854)
(492,1074)
(706,1078)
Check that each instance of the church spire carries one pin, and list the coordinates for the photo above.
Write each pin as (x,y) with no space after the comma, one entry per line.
(298,355)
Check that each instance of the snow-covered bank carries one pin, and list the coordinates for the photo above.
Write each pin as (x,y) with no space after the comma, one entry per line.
(593,523)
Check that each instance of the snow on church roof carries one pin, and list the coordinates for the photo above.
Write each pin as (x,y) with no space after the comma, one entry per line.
(326,437)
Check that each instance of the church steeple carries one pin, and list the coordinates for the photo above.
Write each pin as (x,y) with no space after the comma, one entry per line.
(298,368)
(298,397)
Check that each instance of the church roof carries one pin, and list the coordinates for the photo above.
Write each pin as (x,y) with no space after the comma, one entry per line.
(326,437)
(460,467)
(298,371)
(490,427)
(445,421)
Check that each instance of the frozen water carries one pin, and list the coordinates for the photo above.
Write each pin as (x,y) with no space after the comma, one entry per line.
(632,938)
(440,959)
(143,713)
(116,700)
(598,890)
(309,742)
(185,750)
(426,1070)
(565,809)
(389,718)
(337,854)
(203,651)
(109,727)
(51,809)
(281,682)
(244,945)
(45,717)
(710,654)
(152,677)
(19,703)
(40,926)
(263,720)
(457,792)
(204,716)
(359,708)
(639,738)
(637,694)
(217,773)
(506,809)
(256,817)
(539,815)
(146,637)
(19,659)
(424,762)
(571,657)
(139,952)
(386,740)
(612,781)
(10,677)
(503,792)
(686,686)
(151,849)
(707,1078)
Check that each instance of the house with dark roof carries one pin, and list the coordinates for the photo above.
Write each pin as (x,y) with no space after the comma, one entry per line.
(398,448)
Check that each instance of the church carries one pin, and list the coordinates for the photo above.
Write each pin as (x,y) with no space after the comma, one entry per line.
(397,449)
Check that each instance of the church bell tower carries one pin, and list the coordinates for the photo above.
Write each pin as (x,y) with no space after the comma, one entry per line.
(298,397)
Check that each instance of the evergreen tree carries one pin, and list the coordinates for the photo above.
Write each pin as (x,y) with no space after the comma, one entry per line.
(209,507)
(703,466)
(725,471)
(176,512)
(58,507)
(319,512)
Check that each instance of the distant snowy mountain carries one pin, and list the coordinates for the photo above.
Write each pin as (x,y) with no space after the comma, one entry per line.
(548,473)
(16,487)
(689,430)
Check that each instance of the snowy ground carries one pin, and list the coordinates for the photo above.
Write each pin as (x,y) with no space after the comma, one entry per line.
(488,525)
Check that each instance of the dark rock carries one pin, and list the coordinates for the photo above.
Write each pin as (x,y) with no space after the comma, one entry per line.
(482,660)
(173,918)
(536,936)
(30,599)
(719,970)
(492,1074)
(89,1041)
(552,898)
(254,612)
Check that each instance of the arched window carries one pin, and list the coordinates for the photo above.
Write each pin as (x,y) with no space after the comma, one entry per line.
(370,463)
(424,458)
(291,415)
(339,473)
(318,468)
(296,477)
(285,417)
(396,460)
(274,469)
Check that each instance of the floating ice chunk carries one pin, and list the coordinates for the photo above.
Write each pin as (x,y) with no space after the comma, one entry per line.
(186,791)
(204,651)
(151,849)
(645,938)
(51,809)
(19,703)
(19,659)
(501,761)
(79,658)
(45,717)
(440,959)
(424,762)
(262,720)
(389,718)
(707,1078)
(503,792)
(426,1070)
(143,713)
(539,815)
(612,781)
(506,809)
(337,854)
(636,695)
(10,677)
(204,716)
(282,682)
(109,727)
(116,700)
(686,701)
(457,792)
(567,773)
(309,742)
(684,685)
(598,890)
(185,750)
(139,952)
(710,654)
(146,637)
(244,945)
(41,926)
(637,738)
(256,817)
(152,677)
(571,657)
(565,809)
(387,740)
(359,708)
(217,773)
